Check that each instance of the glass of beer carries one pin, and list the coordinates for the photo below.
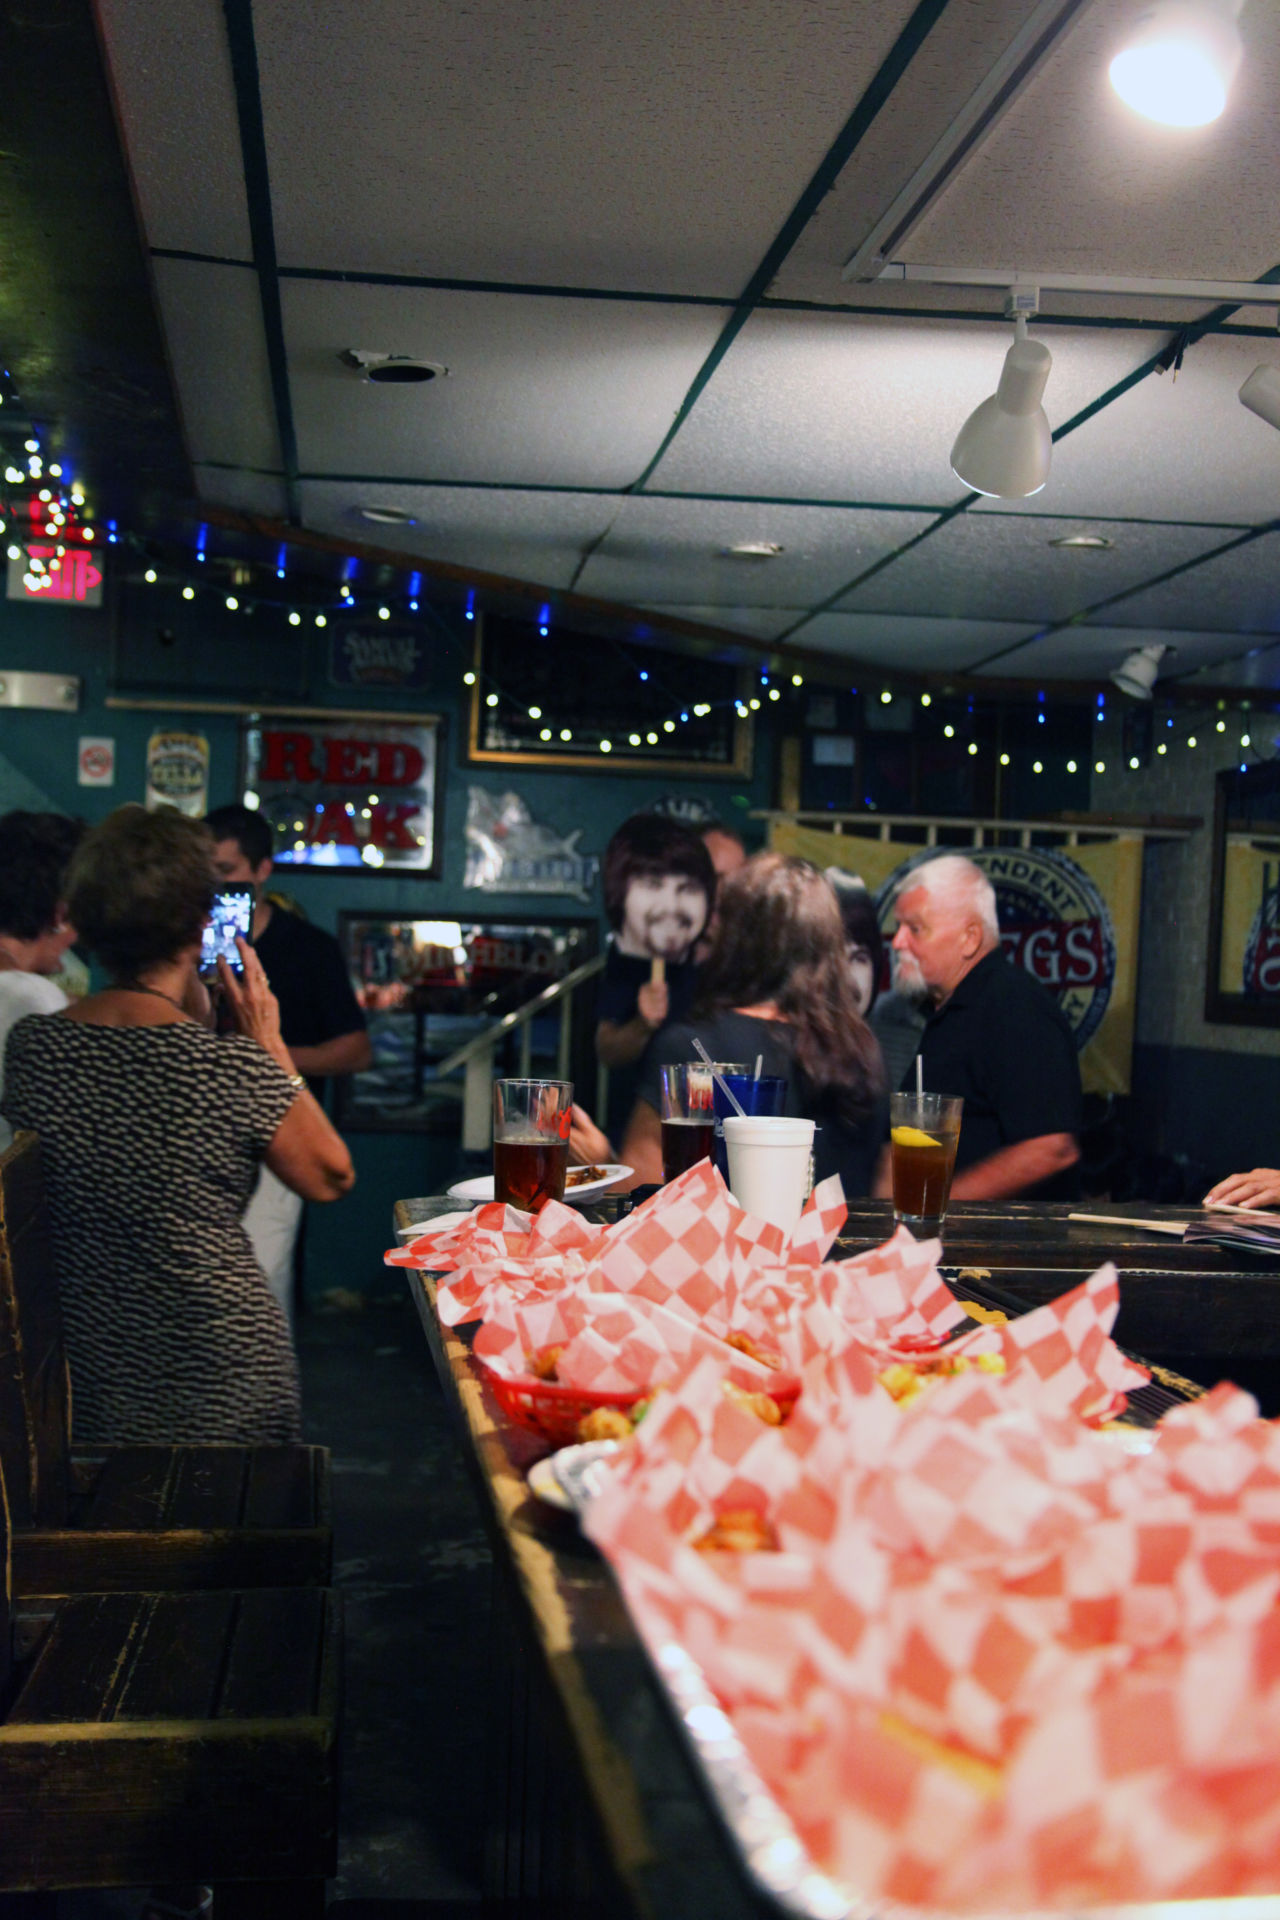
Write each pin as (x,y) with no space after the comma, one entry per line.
(924,1130)
(688,1117)
(531,1121)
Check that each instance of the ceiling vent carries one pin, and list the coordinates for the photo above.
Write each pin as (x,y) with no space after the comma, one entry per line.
(391,369)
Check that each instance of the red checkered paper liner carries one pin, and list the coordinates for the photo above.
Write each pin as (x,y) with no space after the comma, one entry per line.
(609,1342)
(496,1251)
(1063,1351)
(996,1663)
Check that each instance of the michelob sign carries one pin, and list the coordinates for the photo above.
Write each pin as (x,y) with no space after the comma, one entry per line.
(1070,917)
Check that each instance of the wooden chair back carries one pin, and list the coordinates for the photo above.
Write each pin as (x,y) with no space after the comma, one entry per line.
(35,1394)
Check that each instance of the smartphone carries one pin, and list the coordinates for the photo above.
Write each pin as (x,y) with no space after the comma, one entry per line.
(231,917)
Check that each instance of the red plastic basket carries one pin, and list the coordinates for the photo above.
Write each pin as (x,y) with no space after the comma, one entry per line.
(554,1410)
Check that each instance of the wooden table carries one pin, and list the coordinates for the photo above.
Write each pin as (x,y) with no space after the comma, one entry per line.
(593,1805)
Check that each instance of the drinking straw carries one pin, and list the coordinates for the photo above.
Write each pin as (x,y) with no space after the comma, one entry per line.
(759,1064)
(719,1078)
(919,1078)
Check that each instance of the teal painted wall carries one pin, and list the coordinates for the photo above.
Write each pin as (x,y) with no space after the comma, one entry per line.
(159,639)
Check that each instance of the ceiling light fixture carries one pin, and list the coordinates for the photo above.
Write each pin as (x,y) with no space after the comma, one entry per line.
(752,550)
(388,516)
(1084,542)
(1179,65)
(1136,674)
(391,369)
(1004,447)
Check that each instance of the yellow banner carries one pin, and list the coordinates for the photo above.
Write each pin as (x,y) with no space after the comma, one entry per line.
(1250,953)
(1070,916)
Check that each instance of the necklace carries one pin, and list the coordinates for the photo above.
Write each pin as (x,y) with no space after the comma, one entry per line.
(140,986)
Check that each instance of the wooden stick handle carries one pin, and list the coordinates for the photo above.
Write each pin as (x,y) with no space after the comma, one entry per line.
(1123,1220)
(657,971)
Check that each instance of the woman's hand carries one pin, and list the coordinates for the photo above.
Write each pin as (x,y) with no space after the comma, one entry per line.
(1261,1188)
(588,1147)
(254,1009)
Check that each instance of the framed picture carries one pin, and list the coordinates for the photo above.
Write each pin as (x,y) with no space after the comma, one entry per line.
(1242,985)
(354,791)
(429,986)
(546,696)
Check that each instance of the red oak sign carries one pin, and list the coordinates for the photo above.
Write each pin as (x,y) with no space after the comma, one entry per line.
(347,793)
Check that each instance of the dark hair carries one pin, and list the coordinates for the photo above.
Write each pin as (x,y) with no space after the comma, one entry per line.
(780,938)
(35,849)
(251,833)
(141,886)
(650,844)
(861,924)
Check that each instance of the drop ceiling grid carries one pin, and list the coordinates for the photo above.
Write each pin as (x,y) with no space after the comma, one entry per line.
(836,406)
(1237,593)
(241,492)
(896,643)
(535,537)
(667,550)
(988,566)
(1173,448)
(1071,178)
(213,324)
(560,392)
(757,623)
(1090,653)
(172,75)
(656,146)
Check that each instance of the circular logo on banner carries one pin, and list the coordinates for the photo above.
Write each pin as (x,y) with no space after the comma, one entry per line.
(1262,950)
(1053,921)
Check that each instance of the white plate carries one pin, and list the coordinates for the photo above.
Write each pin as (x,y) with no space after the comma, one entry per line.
(481,1188)
(573,1463)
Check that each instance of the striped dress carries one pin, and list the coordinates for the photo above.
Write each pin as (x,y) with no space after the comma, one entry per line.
(152,1139)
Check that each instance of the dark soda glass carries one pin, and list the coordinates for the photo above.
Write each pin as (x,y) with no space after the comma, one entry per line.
(528,1173)
(684,1143)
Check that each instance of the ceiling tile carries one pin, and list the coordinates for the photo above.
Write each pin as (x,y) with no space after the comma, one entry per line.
(528,536)
(757,623)
(908,645)
(1071,178)
(844,407)
(172,78)
(1257,667)
(1090,653)
(213,324)
(1237,593)
(656,146)
(673,549)
(555,392)
(1170,448)
(1002,566)
(258,493)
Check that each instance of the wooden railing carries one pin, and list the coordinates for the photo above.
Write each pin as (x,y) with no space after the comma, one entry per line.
(476,1057)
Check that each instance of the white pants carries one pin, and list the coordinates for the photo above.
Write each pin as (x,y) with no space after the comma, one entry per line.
(271,1222)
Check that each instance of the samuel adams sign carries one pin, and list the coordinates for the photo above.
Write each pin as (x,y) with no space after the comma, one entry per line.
(346,793)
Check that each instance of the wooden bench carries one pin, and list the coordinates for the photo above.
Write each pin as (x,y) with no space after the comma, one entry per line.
(132,1517)
(174,1737)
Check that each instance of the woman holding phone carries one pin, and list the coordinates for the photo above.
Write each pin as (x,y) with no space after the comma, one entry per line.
(153,1129)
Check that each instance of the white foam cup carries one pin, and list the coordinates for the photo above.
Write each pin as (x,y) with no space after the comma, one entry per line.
(769,1161)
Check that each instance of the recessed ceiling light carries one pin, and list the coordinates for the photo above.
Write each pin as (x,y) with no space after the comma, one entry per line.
(391,369)
(388,516)
(1092,542)
(752,550)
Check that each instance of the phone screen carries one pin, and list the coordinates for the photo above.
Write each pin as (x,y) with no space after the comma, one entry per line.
(232,915)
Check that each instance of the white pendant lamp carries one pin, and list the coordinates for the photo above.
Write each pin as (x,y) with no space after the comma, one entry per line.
(1261,394)
(1136,674)
(1179,63)
(1005,445)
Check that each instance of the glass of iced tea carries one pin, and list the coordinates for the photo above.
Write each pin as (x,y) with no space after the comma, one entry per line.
(531,1121)
(923,1131)
(688,1117)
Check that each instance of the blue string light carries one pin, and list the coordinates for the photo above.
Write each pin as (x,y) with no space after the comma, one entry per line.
(544,621)
(281,557)
(471,606)
(201,538)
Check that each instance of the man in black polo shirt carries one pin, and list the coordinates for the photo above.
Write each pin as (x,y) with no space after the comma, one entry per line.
(995,1036)
(320,1019)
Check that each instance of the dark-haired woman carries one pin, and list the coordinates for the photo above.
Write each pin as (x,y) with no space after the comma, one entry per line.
(153,1130)
(35,932)
(777,986)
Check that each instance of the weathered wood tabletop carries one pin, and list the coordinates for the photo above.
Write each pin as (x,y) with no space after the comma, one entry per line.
(592,1796)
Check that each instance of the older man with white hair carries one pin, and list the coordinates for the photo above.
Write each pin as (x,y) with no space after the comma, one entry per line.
(995,1036)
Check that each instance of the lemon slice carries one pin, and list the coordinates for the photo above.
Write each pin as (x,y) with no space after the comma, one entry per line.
(913,1137)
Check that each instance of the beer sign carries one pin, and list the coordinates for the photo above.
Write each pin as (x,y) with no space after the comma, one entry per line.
(349,793)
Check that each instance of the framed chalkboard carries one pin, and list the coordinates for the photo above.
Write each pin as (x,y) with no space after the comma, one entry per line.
(543,695)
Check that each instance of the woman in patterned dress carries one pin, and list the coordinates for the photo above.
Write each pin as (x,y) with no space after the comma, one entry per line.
(153,1129)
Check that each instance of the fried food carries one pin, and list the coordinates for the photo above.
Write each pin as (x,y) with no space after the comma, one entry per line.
(906,1380)
(581,1176)
(738,1530)
(745,1344)
(543,1361)
(763,1407)
(605,1423)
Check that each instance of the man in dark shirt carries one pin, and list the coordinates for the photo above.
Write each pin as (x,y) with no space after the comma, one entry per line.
(320,1019)
(996,1037)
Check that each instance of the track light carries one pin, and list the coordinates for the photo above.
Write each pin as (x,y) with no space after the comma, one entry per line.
(1261,394)
(1178,66)
(1137,672)
(1004,446)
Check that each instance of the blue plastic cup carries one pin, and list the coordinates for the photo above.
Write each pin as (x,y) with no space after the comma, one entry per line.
(766,1095)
